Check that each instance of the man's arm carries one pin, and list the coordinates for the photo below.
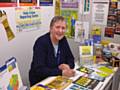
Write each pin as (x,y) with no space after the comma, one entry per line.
(69,55)
(39,57)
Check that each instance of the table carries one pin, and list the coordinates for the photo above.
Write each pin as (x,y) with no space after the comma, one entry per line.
(110,83)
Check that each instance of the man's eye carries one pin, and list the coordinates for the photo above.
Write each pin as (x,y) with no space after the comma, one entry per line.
(57,26)
(63,27)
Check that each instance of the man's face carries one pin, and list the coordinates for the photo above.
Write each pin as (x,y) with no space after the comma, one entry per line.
(58,30)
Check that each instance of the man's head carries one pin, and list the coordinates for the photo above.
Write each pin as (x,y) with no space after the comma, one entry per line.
(57,28)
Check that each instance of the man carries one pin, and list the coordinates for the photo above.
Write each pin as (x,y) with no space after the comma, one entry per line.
(51,54)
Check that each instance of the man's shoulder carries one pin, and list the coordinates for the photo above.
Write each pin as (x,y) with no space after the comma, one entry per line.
(43,38)
(63,39)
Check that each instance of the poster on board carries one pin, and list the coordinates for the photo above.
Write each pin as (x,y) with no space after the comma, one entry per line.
(86,9)
(46,2)
(117,30)
(10,78)
(69,9)
(70,15)
(14,81)
(4,21)
(109,32)
(79,31)
(86,54)
(28,2)
(28,19)
(112,16)
(69,3)
(3,77)
(113,19)
(57,7)
(118,4)
(8,3)
(100,12)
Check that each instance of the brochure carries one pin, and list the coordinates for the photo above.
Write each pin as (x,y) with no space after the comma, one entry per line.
(86,82)
(85,70)
(59,83)
(105,71)
(40,87)
(76,87)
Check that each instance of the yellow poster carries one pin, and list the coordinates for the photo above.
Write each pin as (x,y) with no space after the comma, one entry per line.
(114,0)
(86,50)
(57,7)
(5,23)
(71,15)
(28,19)
(86,54)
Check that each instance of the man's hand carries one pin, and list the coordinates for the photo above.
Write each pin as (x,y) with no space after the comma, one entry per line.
(64,66)
(68,73)
(66,70)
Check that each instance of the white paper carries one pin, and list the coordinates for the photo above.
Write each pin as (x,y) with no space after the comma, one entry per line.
(87,6)
(80,7)
(100,13)
(12,69)
(86,55)
(86,28)
(118,5)
(4,78)
(81,31)
(100,0)
(28,19)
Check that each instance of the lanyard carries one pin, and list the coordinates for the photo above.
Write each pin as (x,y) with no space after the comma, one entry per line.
(58,57)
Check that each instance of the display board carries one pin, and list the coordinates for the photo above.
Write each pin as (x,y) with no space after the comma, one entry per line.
(21,46)
(10,76)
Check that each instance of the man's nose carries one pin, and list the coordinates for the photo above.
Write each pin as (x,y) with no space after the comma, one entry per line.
(61,30)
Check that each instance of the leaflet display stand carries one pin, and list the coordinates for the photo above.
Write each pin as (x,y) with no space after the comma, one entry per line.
(10,76)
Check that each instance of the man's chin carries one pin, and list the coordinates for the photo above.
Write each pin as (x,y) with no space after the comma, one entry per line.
(59,38)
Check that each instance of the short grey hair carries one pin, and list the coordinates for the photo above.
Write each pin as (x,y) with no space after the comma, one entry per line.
(56,19)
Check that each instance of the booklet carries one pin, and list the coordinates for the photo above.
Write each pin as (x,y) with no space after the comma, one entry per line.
(14,78)
(85,70)
(40,87)
(105,71)
(59,83)
(86,82)
(76,87)
(95,76)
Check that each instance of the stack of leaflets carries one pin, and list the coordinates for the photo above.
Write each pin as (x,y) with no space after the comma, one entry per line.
(85,70)
(105,71)
(40,87)
(91,73)
(10,78)
(86,82)
(95,76)
(76,87)
(86,54)
(59,83)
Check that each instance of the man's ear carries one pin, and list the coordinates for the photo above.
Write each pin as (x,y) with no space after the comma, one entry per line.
(51,29)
